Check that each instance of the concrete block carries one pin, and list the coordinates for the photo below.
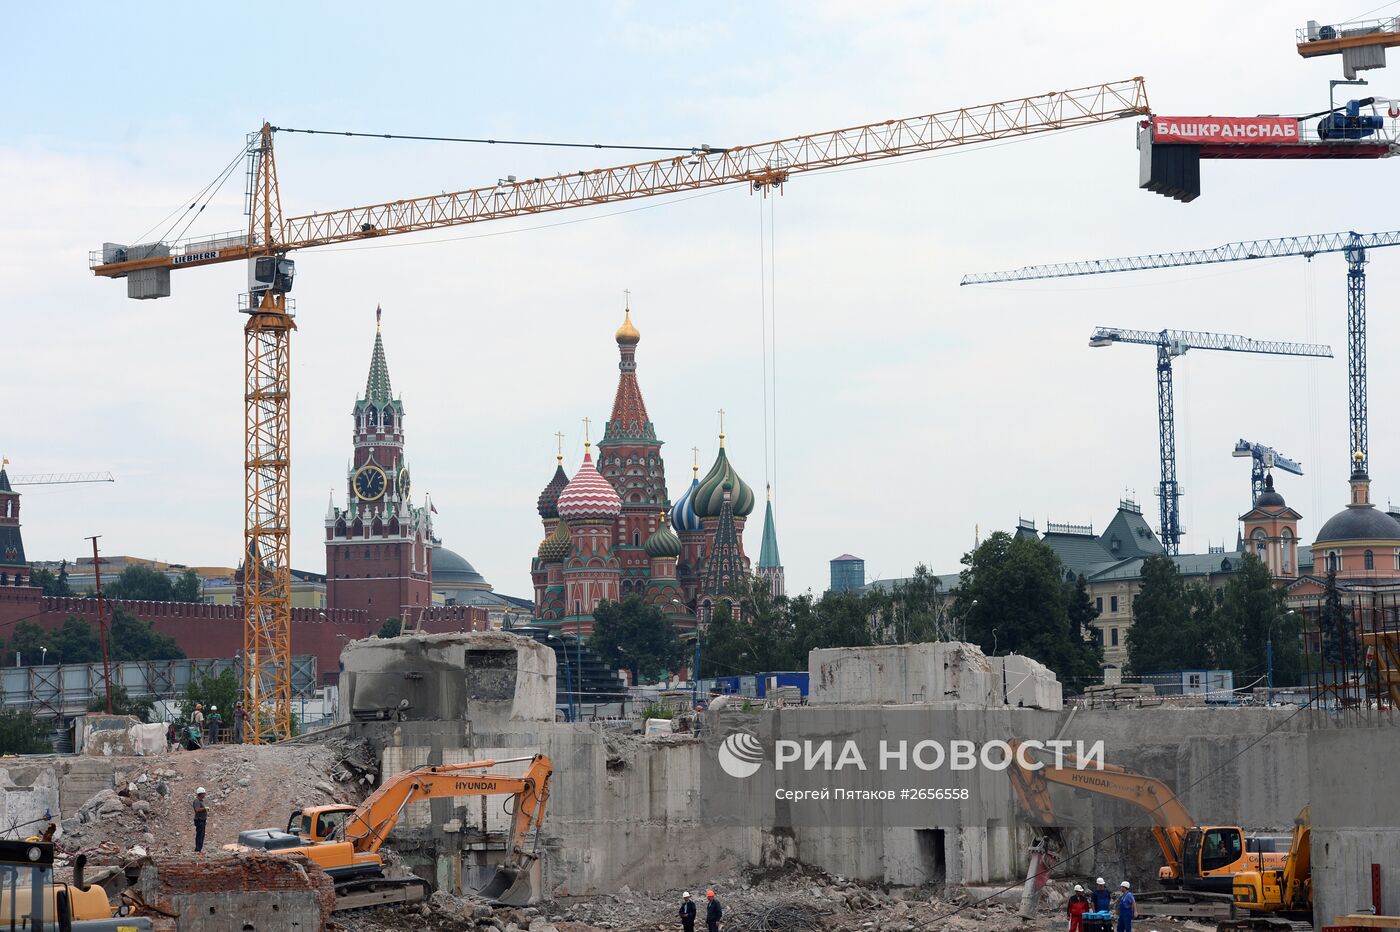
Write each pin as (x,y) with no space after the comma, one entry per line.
(903,674)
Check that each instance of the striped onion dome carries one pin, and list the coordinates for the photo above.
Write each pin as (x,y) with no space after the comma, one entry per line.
(683,517)
(707,499)
(549,498)
(555,547)
(588,494)
(663,542)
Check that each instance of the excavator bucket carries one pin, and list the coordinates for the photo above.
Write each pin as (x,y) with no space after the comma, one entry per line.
(510,886)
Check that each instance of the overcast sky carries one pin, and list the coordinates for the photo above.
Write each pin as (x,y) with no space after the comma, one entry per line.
(909,411)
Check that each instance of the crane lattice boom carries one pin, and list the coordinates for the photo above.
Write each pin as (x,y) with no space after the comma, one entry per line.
(763,164)
(1182,340)
(1279,247)
(62,478)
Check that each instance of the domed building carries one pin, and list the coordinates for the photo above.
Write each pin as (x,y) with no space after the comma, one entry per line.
(1360,545)
(611,532)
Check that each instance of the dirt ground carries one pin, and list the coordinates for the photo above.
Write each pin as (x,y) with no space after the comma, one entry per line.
(801,901)
(249,787)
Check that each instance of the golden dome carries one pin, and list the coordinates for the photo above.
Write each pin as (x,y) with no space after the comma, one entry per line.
(628,334)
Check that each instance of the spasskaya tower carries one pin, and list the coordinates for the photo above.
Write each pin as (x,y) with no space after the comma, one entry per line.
(379,546)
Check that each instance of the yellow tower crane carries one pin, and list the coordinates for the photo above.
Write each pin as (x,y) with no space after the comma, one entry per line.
(270,237)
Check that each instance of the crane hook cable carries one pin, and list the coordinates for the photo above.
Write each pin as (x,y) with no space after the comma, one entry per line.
(501,142)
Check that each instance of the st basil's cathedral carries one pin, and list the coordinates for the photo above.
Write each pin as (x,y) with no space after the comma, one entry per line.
(611,531)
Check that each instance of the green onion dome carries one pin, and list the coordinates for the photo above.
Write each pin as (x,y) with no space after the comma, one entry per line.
(664,542)
(709,496)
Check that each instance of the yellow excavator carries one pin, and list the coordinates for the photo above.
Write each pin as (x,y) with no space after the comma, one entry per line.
(345,840)
(1280,898)
(31,899)
(1200,863)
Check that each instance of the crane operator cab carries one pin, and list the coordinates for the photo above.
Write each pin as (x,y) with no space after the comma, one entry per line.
(269,273)
(30,900)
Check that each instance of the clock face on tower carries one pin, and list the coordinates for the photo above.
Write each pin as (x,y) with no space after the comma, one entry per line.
(370,482)
(404,485)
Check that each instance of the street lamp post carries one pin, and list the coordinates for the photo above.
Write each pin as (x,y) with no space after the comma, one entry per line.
(568,676)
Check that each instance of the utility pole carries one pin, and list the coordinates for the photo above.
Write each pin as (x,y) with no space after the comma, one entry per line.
(102,623)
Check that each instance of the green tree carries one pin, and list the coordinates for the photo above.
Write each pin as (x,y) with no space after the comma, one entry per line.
(188,588)
(140,583)
(1014,598)
(22,733)
(75,642)
(391,628)
(1341,648)
(1080,609)
(130,638)
(220,690)
(1161,636)
(638,636)
(123,704)
(916,610)
(1253,611)
(29,641)
(53,584)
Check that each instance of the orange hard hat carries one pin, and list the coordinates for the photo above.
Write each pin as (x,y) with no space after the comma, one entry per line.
(709,893)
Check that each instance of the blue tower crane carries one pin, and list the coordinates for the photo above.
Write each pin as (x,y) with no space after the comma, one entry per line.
(1353,245)
(1264,458)
(1170,344)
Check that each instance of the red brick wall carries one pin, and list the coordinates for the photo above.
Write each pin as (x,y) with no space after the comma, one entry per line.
(206,631)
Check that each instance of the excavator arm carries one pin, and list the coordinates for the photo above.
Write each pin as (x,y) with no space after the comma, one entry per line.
(1170,818)
(369,825)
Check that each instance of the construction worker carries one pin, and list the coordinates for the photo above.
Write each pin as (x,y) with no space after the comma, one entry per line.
(1127,907)
(214,721)
(1101,898)
(171,737)
(687,912)
(240,716)
(713,911)
(1077,906)
(201,818)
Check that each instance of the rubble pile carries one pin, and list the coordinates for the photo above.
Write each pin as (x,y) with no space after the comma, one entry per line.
(248,787)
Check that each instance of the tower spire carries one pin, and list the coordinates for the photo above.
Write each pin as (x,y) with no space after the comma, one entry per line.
(377,387)
(770,565)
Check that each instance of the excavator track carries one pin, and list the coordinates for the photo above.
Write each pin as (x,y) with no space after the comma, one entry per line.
(1263,924)
(380,891)
(1185,904)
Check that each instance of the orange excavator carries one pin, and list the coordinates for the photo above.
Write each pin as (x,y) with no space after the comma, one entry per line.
(1200,863)
(345,840)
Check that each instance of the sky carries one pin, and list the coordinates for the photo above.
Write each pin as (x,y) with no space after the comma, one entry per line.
(907,414)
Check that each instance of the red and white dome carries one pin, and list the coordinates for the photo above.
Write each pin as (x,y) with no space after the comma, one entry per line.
(588,494)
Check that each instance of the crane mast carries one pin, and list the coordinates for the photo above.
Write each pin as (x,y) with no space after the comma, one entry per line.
(269,236)
(1170,344)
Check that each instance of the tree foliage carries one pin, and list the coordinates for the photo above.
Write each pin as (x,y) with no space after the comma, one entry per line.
(1179,626)
(1341,645)
(220,690)
(124,704)
(131,638)
(53,584)
(637,637)
(146,584)
(1012,597)
(391,628)
(22,733)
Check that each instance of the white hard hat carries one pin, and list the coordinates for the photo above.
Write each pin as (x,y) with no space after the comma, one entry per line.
(685,895)
(1125,885)
(1100,880)
(213,708)
(1078,888)
(200,792)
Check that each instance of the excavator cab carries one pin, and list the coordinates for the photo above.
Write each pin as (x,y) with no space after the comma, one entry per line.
(31,900)
(319,823)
